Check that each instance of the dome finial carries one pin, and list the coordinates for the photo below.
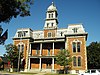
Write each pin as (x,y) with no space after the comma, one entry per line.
(53,3)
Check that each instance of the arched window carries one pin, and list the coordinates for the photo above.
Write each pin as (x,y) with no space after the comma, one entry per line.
(78,46)
(22,48)
(79,61)
(18,47)
(52,15)
(74,47)
(74,61)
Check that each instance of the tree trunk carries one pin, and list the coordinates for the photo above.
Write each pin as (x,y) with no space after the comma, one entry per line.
(64,70)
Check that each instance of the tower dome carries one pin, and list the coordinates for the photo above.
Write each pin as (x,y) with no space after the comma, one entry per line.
(52,7)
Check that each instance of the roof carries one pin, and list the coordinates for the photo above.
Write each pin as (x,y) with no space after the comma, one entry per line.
(52,7)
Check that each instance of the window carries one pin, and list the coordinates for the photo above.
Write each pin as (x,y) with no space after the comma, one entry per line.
(52,24)
(49,34)
(22,48)
(18,47)
(52,15)
(47,24)
(78,46)
(74,61)
(77,71)
(49,15)
(79,61)
(74,47)
(19,34)
(75,30)
(22,33)
(61,33)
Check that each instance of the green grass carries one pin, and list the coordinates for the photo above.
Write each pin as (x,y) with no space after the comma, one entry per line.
(60,74)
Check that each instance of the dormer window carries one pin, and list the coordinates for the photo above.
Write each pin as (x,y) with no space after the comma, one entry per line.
(75,30)
(61,33)
(22,33)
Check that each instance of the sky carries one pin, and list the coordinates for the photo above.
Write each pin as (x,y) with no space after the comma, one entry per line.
(86,12)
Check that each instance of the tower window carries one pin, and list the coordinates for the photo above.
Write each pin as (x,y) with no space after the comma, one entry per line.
(49,15)
(52,24)
(47,24)
(52,15)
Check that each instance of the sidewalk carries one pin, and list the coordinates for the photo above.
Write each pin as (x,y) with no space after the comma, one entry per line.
(16,73)
(40,73)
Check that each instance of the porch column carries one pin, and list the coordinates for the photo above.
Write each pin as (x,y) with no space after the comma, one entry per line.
(66,45)
(53,49)
(52,63)
(30,50)
(40,49)
(29,64)
(40,65)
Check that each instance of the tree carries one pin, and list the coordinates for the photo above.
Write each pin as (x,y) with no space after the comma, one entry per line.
(13,8)
(12,54)
(1,62)
(63,58)
(93,55)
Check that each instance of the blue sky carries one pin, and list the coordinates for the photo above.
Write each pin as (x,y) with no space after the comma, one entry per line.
(86,12)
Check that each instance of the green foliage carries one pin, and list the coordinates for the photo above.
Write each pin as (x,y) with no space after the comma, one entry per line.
(11,53)
(1,61)
(13,8)
(63,58)
(93,55)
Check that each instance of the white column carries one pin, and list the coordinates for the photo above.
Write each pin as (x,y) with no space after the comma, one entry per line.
(29,64)
(30,50)
(40,49)
(52,63)
(53,49)
(40,65)
(66,44)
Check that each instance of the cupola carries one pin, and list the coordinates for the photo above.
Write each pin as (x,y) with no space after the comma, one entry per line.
(51,21)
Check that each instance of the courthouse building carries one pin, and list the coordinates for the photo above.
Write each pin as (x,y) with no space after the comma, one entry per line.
(40,47)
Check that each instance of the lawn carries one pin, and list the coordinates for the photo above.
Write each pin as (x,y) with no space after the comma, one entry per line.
(60,74)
